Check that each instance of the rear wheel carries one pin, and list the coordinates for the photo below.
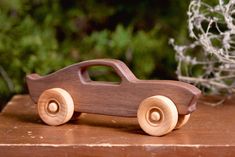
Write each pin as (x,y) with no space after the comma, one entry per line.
(55,106)
(157,115)
(182,120)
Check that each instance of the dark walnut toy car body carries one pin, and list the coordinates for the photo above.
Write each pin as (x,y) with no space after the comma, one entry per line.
(159,105)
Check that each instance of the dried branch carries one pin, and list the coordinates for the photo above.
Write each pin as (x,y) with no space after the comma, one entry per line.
(212,29)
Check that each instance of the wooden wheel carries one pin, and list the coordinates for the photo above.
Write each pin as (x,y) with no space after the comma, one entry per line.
(157,115)
(182,120)
(55,106)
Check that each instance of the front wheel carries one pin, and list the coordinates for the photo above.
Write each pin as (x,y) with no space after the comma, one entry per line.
(55,106)
(157,115)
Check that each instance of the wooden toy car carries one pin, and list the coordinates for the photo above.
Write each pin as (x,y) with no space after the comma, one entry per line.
(159,105)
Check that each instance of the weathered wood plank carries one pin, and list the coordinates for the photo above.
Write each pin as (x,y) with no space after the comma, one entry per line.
(210,132)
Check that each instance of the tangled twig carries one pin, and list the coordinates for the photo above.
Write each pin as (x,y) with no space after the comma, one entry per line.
(209,61)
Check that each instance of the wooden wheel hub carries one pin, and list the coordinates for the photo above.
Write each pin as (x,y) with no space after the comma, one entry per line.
(154,116)
(53,107)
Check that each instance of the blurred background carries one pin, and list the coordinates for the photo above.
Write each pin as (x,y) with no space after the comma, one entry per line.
(43,36)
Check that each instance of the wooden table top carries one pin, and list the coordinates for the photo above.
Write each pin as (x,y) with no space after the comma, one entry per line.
(209,132)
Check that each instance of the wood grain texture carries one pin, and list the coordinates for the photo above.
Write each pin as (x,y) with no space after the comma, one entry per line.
(108,98)
(157,115)
(210,132)
(55,106)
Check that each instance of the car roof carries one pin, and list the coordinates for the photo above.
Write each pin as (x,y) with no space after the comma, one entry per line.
(118,65)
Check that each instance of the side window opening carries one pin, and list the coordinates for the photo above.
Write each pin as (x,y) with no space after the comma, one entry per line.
(102,74)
